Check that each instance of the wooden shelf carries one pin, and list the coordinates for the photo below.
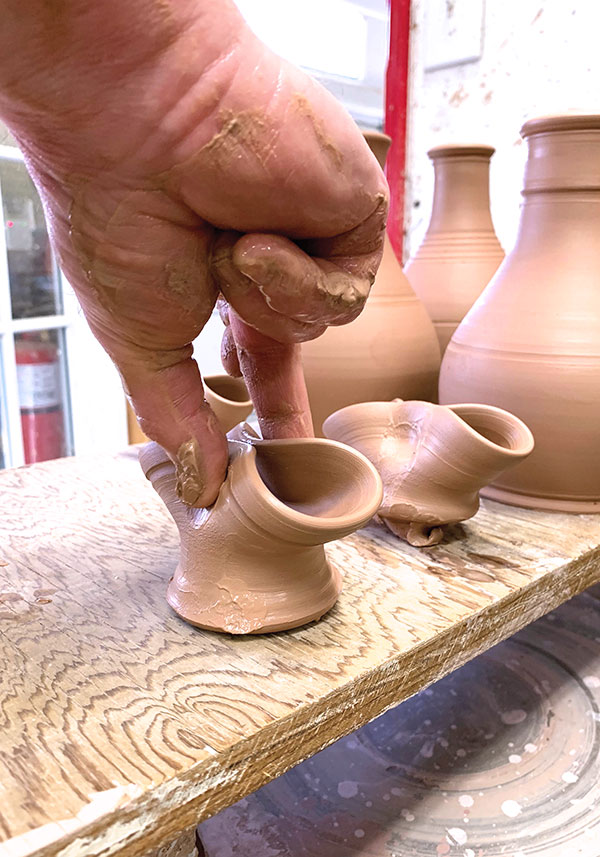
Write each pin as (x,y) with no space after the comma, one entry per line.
(120,725)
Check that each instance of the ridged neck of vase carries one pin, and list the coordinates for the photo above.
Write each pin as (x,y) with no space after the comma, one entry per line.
(461,198)
(563,153)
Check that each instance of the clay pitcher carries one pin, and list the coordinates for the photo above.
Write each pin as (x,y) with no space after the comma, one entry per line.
(389,350)
(254,561)
(531,343)
(229,399)
(460,251)
(433,460)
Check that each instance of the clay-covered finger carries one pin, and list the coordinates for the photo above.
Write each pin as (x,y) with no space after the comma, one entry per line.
(358,251)
(166,393)
(249,302)
(308,290)
(275,380)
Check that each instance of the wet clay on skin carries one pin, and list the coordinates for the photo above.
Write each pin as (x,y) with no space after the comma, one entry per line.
(433,460)
(254,561)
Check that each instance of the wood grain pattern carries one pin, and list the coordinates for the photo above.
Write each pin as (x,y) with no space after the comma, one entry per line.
(501,758)
(120,726)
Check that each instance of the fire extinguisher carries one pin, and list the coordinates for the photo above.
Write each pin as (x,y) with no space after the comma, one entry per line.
(38,376)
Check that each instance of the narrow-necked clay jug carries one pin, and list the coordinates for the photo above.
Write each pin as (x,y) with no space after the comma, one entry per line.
(460,251)
(389,350)
(531,343)
(432,460)
(229,399)
(254,561)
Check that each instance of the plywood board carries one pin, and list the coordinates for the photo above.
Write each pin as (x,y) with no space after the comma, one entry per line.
(121,726)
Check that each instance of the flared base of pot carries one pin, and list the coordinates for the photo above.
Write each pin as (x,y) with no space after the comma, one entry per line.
(229,615)
(549,504)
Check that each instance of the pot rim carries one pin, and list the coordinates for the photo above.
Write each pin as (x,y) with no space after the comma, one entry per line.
(525,448)
(528,441)
(459,150)
(206,380)
(300,520)
(561,122)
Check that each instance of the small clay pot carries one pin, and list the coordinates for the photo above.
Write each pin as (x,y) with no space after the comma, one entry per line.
(254,561)
(460,251)
(433,459)
(229,399)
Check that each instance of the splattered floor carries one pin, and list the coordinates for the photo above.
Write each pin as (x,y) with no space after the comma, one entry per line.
(499,759)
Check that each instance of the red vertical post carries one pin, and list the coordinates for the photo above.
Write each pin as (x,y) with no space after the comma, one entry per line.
(396,108)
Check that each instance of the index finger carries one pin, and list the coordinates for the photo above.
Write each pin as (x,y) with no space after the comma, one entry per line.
(273,374)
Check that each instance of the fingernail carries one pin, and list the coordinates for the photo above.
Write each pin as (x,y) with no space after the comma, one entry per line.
(190,483)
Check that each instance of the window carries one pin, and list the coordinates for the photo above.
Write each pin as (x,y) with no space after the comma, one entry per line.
(60,393)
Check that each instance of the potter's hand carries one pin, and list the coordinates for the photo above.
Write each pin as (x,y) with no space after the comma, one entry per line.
(176,157)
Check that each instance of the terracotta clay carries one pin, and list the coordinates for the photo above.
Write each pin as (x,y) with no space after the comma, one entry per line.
(460,251)
(229,399)
(433,460)
(389,350)
(531,343)
(254,561)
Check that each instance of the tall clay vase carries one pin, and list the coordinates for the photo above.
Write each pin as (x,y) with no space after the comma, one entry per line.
(433,460)
(531,343)
(254,561)
(389,350)
(229,399)
(460,251)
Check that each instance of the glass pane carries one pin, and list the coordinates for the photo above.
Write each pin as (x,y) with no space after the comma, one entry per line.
(33,275)
(41,375)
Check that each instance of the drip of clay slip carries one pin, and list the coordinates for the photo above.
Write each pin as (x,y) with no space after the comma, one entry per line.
(433,460)
(254,562)
(460,251)
(389,350)
(229,399)
(531,342)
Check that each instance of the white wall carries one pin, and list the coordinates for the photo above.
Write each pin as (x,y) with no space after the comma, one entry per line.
(532,57)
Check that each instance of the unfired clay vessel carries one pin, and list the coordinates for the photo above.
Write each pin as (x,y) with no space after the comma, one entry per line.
(433,460)
(531,343)
(254,561)
(460,251)
(229,399)
(389,350)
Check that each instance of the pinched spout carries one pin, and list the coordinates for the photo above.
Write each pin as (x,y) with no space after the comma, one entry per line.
(254,561)
(433,459)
